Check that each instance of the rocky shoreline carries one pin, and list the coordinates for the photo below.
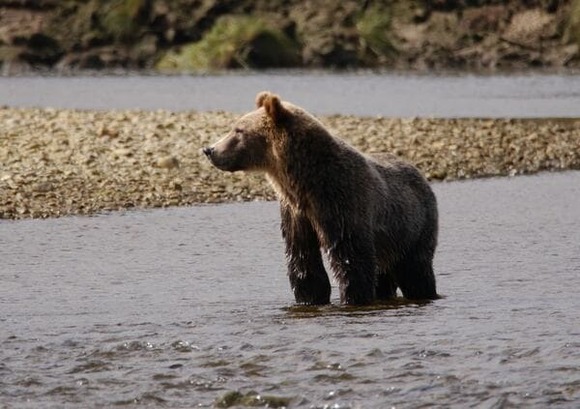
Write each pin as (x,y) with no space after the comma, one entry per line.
(58,162)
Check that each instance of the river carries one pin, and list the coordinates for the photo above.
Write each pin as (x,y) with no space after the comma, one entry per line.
(190,307)
(394,95)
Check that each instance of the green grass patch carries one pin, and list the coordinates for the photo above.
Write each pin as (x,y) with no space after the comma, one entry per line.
(572,33)
(374,30)
(120,18)
(100,21)
(235,42)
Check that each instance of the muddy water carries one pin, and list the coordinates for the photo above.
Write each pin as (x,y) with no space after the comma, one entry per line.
(184,307)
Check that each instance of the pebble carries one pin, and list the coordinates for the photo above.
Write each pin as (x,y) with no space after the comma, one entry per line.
(168,162)
(57,162)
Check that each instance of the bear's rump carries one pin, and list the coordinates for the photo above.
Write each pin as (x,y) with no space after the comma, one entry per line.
(405,212)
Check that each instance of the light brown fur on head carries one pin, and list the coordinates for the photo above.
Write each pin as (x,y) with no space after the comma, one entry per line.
(272,105)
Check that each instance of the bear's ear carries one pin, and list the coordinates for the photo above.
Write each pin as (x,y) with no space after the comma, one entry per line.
(272,105)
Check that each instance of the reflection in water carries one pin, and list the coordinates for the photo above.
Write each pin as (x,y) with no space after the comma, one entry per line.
(399,303)
(191,307)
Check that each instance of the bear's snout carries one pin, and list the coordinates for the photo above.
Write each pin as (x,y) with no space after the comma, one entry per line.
(217,158)
(208,150)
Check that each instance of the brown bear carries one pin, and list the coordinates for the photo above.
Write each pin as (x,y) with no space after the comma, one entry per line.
(376,222)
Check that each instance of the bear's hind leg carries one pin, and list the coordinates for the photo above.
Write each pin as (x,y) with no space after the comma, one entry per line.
(355,268)
(415,277)
(386,287)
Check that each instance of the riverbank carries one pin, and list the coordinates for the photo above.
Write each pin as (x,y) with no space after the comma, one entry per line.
(58,162)
(193,35)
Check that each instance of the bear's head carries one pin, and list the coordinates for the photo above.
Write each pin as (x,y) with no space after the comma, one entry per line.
(251,143)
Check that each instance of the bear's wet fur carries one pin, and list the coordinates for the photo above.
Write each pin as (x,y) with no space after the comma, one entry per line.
(376,222)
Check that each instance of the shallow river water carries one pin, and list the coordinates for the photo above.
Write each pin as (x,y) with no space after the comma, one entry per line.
(407,95)
(182,307)
(186,307)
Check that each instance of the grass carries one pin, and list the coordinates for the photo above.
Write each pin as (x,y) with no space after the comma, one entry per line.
(120,18)
(374,28)
(572,33)
(101,20)
(235,42)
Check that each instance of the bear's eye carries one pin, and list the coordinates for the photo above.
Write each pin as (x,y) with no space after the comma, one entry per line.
(239,131)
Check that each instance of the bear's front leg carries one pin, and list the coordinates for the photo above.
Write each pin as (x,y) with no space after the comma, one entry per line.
(306,272)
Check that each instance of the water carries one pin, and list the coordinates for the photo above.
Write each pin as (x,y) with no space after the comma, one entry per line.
(406,95)
(179,307)
(182,307)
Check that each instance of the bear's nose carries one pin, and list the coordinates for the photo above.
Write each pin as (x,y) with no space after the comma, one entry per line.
(208,151)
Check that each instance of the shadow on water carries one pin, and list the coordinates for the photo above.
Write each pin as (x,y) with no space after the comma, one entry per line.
(332,310)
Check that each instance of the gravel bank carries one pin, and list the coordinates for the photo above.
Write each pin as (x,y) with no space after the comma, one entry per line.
(62,162)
